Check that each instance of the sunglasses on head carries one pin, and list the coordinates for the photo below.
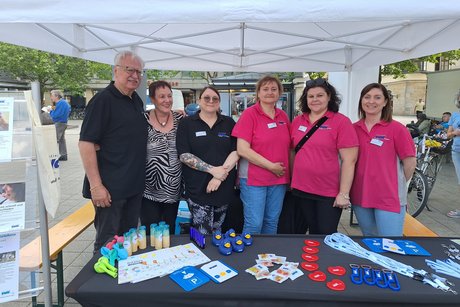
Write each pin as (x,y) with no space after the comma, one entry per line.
(316,82)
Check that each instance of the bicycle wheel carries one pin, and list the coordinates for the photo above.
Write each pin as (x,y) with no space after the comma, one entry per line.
(417,193)
(432,171)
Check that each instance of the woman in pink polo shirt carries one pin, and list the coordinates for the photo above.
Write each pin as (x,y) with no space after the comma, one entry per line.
(323,167)
(386,162)
(263,145)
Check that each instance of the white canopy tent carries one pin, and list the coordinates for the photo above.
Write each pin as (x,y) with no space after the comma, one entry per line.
(237,35)
(351,38)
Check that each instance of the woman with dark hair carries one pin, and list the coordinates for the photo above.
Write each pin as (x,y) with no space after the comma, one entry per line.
(163,167)
(263,142)
(386,162)
(323,167)
(206,147)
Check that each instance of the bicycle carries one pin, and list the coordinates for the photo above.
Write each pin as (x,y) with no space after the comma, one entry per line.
(417,193)
(431,151)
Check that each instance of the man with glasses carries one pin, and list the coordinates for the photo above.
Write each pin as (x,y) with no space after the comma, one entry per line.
(113,142)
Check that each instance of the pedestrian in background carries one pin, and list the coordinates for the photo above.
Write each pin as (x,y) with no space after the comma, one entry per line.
(323,167)
(60,115)
(263,145)
(386,162)
(113,142)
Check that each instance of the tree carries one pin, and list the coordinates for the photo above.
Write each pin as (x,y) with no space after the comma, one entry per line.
(49,69)
(399,69)
(154,74)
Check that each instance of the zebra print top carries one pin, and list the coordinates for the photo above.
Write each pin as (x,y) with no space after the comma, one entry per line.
(163,167)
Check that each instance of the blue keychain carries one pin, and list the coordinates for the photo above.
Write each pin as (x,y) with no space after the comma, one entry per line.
(380,278)
(368,275)
(356,274)
(393,282)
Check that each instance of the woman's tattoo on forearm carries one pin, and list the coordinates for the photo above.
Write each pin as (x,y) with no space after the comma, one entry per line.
(194,162)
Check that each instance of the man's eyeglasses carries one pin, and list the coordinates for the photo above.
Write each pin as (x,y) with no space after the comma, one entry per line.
(316,82)
(131,71)
(214,99)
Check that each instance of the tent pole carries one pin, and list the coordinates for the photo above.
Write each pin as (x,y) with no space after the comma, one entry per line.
(45,246)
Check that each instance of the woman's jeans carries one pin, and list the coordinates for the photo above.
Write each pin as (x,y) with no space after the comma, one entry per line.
(380,223)
(261,207)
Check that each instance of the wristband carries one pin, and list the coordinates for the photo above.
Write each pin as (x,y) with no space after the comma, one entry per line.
(346,196)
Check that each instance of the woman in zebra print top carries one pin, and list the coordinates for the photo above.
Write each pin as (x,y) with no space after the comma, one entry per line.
(163,167)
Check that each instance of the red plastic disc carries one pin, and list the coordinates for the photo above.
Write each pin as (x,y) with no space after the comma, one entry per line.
(310,258)
(310,250)
(313,243)
(336,285)
(337,270)
(317,276)
(309,266)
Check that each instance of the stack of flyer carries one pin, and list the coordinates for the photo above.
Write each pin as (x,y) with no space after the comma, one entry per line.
(159,263)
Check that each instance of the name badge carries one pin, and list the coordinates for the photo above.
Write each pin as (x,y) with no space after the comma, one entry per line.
(271,125)
(377,142)
(200,133)
(302,128)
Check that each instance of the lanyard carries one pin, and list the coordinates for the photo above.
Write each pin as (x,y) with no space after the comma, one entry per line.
(345,244)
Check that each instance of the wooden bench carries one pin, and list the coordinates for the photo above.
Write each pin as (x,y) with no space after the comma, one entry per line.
(413,228)
(60,235)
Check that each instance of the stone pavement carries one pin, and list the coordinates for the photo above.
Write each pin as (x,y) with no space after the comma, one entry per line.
(444,197)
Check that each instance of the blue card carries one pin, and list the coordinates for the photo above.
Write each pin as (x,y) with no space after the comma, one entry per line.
(407,247)
(189,278)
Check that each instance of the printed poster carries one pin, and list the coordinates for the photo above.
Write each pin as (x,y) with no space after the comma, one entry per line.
(6,128)
(9,266)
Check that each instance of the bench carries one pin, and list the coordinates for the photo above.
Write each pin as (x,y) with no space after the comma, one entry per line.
(60,235)
(413,228)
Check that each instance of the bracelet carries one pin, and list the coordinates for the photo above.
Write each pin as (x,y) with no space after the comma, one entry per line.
(346,196)
(94,188)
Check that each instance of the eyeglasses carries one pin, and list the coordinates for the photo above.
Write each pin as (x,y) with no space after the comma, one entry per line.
(316,82)
(131,71)
(214,99)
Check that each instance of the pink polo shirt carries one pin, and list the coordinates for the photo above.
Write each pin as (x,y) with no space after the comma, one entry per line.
(378,170)
(269,138)
(316,165)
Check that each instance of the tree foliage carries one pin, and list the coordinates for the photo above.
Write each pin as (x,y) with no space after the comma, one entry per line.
(49,69)
(399,69)
(155,75)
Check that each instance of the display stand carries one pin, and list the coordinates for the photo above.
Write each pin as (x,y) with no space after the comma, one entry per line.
(19,166)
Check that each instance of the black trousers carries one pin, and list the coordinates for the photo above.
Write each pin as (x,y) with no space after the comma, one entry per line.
(117,219)
(321,217)
(154,212)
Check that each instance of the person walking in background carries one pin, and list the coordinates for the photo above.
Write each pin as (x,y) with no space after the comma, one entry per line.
(113,142)
(323,167)
(419,107)
(60,115)
(263,144)
(386,162)
(163,168)
(208,151)
(453,132)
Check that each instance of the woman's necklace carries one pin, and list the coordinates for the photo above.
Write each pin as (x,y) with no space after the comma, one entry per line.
(162,124)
